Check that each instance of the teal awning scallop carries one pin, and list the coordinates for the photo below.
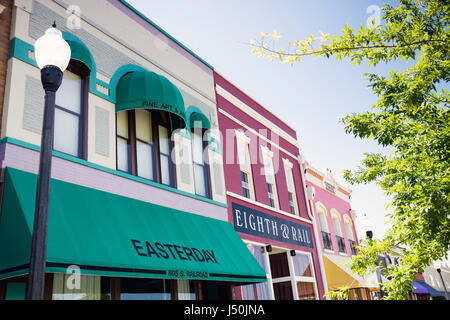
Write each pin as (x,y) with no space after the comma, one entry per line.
(197,119)
(149,90)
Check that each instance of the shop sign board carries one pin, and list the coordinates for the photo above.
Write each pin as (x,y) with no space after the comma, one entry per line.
(250,221)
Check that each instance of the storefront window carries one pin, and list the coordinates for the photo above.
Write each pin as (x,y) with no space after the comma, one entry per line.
(279,265)
(144,289)
(260,290)
(302,265)
(186,290)
(306,290)
(79,287)
(283,290)
(304,276)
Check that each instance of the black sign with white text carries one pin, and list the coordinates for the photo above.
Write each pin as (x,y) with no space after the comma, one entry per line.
(257,223)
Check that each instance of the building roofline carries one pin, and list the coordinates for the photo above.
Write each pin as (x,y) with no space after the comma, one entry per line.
(141,15)
(261,105)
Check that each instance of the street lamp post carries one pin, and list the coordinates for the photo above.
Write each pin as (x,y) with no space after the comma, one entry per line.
(443,283)
(52,54)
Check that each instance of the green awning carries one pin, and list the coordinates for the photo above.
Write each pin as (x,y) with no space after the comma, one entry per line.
(110,235)
(197,119)
(148,90)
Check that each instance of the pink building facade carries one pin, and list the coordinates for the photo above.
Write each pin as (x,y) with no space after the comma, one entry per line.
(334,219)
(266,197)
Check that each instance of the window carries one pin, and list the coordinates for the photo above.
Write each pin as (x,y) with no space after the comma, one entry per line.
(338,231)
(304,276)
(349,231)
(244,184)
(244,165)
(164,154)
(145,148)
(70,111)
(323,224)
(200,166)
(186,290)
(145,289)
(123,142)
(87,287)
(270,194)
(270,177)
(282,285)
(144,145)
(290,187)
(259,291)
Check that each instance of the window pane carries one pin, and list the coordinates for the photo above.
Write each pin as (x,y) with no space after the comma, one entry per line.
(242,156)
(67,128)
(323,221)
(306,291)
(70,92)
(144,125)
(163,140)
(144,158)
(122,154)
(268,169)
(144,289)
(279,265)
(197,148)
(200,181)
(348,229)
(165,171)
(289,179)
(122,124)
(270,195)
(283,291)
(186,289)
(244,184)
(337,226)
(302,265)
(248,292)
(66,287)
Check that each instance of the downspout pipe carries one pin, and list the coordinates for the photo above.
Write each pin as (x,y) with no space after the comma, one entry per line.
(309,196)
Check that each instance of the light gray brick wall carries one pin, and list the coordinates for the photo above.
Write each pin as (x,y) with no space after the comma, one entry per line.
(34,105)
(102,131)
(107,59)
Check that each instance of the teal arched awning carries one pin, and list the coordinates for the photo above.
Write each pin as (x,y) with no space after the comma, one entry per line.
(197,119)
(149,90)
(79,51)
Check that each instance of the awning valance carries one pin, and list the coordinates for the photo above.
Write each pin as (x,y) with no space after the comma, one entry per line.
(421,287)
(111,235)
(149,90)
(338,278)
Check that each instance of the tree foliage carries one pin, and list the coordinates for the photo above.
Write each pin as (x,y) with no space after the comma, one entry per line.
(411,116)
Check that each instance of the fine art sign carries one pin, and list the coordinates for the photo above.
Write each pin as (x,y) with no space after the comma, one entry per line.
(257,223)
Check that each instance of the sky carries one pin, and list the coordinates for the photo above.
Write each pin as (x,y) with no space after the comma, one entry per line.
(311,96)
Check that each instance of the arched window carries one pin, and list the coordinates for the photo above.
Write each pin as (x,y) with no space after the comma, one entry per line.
(70,110)
(336,218)
(148,109)
(323,224)
(349,230)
